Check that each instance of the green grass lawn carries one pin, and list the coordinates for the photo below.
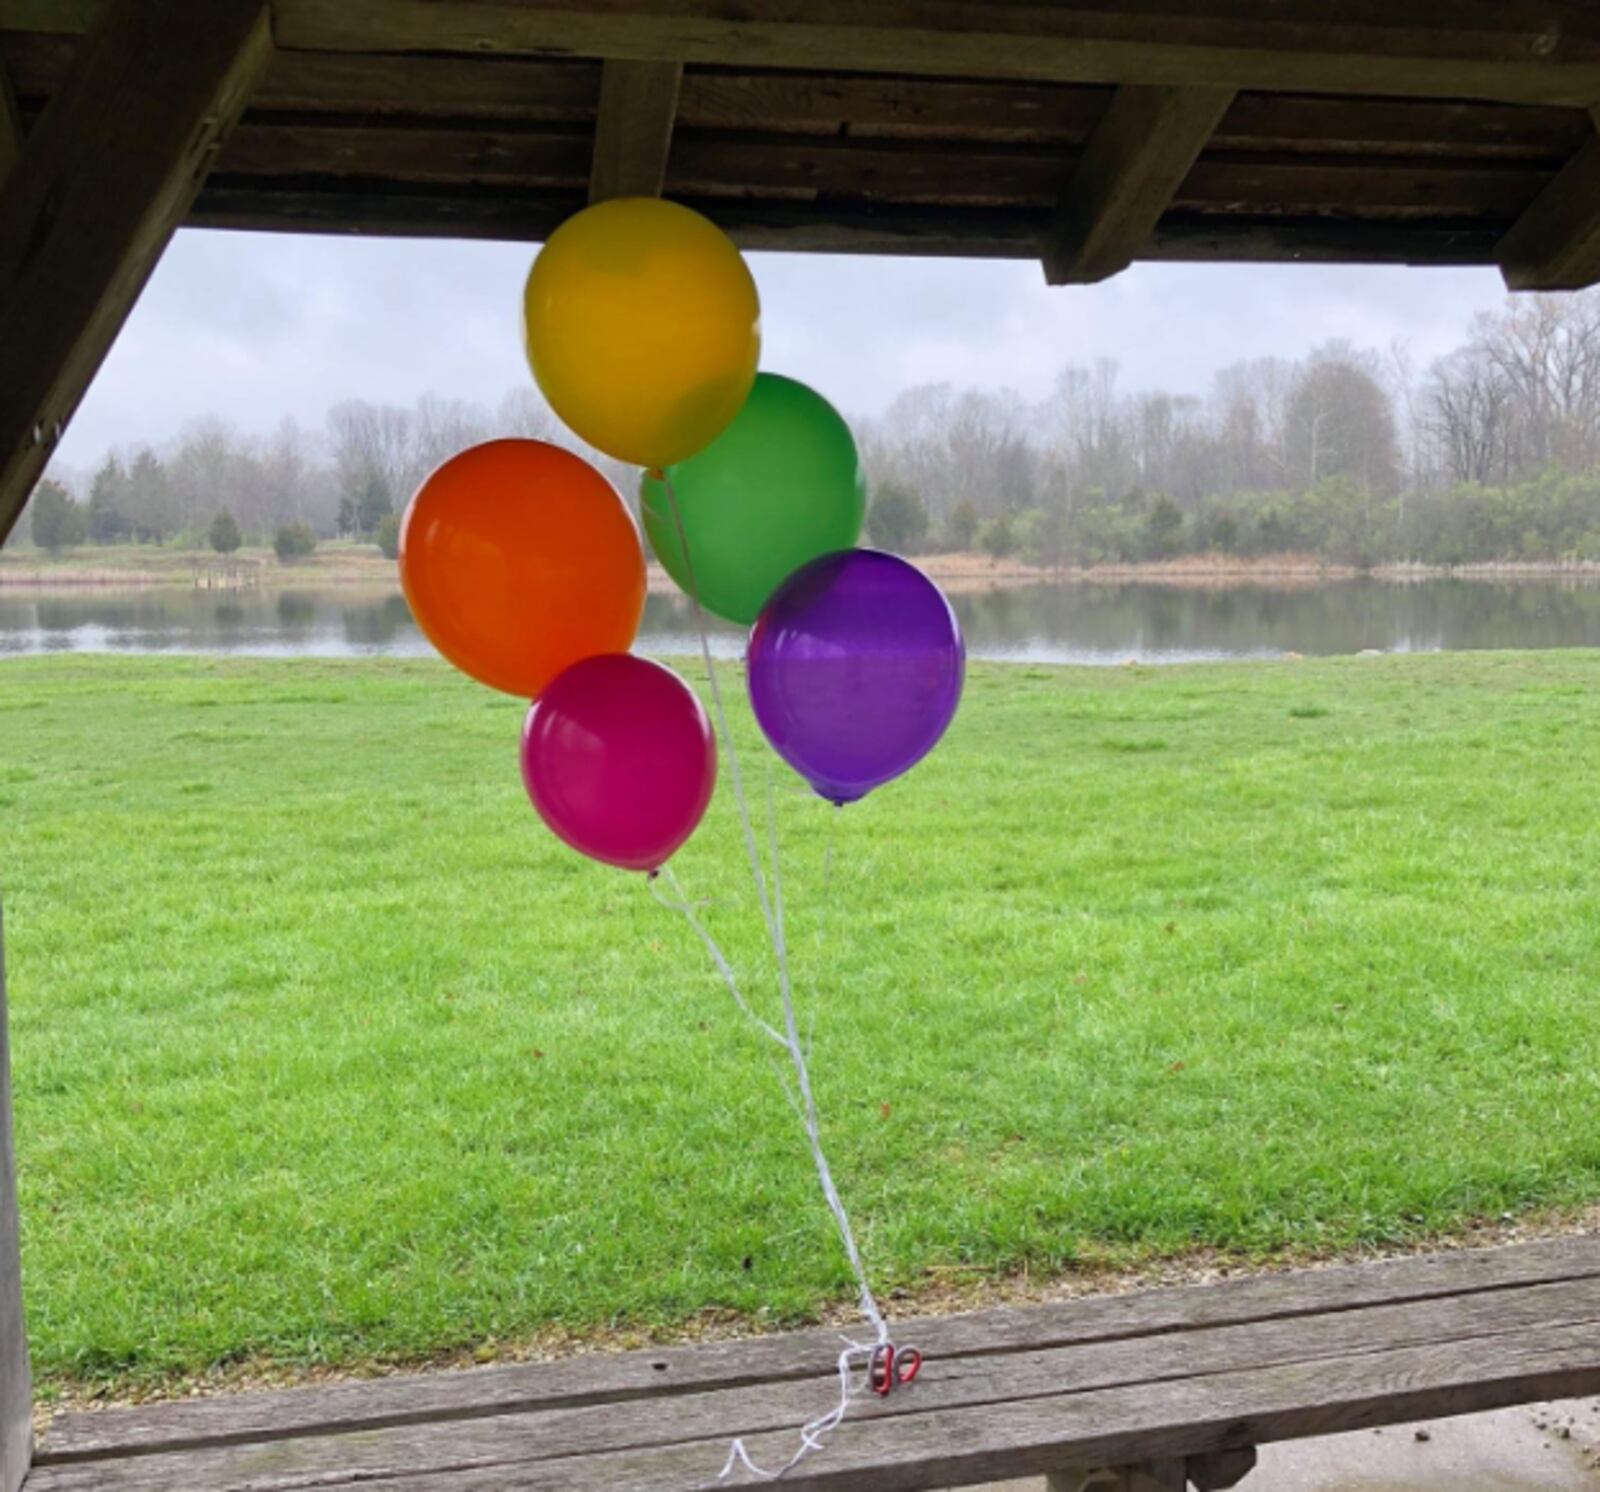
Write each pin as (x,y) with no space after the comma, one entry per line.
(325,1051)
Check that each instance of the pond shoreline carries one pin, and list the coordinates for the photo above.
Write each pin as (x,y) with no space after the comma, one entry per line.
(957,572)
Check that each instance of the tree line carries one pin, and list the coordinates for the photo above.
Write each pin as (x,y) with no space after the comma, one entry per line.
(219,487)
(1349,454)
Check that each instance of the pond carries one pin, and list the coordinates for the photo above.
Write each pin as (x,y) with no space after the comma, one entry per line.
(1096,623)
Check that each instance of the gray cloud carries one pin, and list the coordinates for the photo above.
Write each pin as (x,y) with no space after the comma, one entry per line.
(256,327)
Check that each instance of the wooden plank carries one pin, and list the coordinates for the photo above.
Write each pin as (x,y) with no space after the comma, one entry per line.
(1516,50)
(510,215)
(392,86)
(840,105)
(916,1440)
(1192,237)
(109,172)
(960,1447)
(881,170)
(1555,244)
(633,135)
(1137,156)
(16,1395)
(1246,183)
(946,1384)
(600,1378)
(1374,126)
(558,157)
(374,89)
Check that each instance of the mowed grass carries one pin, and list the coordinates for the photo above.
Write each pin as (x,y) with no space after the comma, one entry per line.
(325,1051)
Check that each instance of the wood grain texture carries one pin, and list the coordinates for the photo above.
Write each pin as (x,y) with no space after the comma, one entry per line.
(16,1402)
(1471,1282)
(389,87)
(1137,156)
(1515,50)
(110,170)
(840,170)
(633,134)
(930,1444)
(947,1383)
(1555,244)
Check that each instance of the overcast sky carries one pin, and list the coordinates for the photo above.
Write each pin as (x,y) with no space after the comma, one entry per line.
(253,327)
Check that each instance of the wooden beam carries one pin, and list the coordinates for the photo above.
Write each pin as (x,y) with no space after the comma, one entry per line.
(1518,51)
(16,1394)
(1522,51)
(10,127)
(1555,244)
(109,171)
(633,133)
(1134,163)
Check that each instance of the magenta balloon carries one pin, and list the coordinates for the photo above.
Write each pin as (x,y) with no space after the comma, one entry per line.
(855,669)
(618,757)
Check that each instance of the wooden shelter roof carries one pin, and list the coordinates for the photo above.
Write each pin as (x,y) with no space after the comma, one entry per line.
(1087,133)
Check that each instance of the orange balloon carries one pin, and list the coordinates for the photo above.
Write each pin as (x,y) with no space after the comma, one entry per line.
(518,559)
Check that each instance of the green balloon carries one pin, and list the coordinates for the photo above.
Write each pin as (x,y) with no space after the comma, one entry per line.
(781,485)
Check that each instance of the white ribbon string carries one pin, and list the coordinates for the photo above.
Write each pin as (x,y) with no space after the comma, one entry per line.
(800,1097)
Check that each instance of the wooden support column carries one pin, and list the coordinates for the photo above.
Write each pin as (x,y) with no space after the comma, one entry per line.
(16,1392)
(107,174)
(1136,159)
(1555,244)
(10,127)
(633,134)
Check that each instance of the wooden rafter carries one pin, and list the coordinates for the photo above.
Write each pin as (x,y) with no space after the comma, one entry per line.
(1135,161)
(1555,244)
(1517,50)
(109,171)
(10,127)
(1520,51)
(633,130)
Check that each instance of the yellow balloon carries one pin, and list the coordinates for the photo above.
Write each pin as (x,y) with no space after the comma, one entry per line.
(642,328)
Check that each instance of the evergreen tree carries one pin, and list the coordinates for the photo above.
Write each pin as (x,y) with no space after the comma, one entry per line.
(388,535)
(372,503)
(58,522)
(224,533)
(107,518)
(897,521)
(293,541)
(149,501)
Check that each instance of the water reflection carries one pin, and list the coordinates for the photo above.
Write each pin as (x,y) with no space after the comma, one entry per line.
(1069,623)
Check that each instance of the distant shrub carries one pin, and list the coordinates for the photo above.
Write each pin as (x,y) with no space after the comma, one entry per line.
(961,527)
(388,535)
(897,521)
(998,539)
(224,535)
(58,522)
(293,541)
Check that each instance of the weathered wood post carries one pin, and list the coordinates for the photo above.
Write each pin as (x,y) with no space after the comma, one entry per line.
(16,1394)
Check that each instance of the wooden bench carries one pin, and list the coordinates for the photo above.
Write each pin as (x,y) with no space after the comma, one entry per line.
(1156,1390)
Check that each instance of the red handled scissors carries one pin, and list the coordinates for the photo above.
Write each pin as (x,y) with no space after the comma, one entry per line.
(891,1365)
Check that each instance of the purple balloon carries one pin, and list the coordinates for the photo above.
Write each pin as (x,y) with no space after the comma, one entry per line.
(855,670)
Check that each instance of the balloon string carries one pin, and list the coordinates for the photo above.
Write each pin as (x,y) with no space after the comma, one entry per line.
(803,1100)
